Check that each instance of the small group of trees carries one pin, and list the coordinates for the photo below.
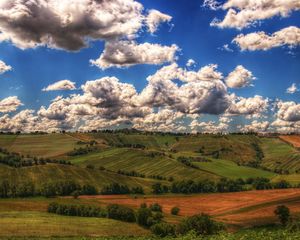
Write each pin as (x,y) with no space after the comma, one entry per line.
(76,210)
(116,188)
(129,145)
(200,224)
(25,189)
(187,161)
(83,150)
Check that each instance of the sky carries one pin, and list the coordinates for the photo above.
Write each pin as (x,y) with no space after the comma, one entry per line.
(161,65)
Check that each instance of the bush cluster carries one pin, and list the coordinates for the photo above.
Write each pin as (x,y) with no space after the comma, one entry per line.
(76,210)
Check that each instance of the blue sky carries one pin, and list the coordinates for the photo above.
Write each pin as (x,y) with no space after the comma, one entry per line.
(275,69)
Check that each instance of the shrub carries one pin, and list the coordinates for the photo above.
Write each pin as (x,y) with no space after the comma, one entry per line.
(122,213)
(283,213)
(88,190)
(155,207)
(142,217)
(202,225)
(175,211)
(163,229)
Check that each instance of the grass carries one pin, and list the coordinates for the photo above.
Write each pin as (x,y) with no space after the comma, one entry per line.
(27,224)
(280,155)
(229,169)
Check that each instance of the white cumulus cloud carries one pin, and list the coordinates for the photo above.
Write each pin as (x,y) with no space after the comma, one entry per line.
(243,13)
(60,85)
(127,53)
(154,18)
(289,36)
(9,104)
(239,78)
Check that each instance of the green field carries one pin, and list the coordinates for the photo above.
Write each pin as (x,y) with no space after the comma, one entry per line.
(229,169)
(280,155)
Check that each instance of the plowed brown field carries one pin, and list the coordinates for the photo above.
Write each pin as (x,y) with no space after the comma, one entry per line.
(292,139)
(242,209)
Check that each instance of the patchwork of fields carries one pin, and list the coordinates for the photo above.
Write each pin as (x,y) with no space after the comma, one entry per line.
(227,156)
(149,155)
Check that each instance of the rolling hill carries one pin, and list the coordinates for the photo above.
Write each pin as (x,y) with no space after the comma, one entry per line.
(154,154)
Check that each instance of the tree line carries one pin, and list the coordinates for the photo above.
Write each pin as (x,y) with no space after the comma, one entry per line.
(221,186)
(16,160)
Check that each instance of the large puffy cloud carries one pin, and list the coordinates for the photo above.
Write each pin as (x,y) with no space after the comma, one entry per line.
(163,105)
(253,106)
(203,91)
(60,85)
(67,24)
(127,53)
(239,78)
(9,104)
(242,13)
(288,111)
(4,67)
(154,18)
(261,41)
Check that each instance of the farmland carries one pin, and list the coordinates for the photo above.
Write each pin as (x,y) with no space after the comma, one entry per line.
(136,159)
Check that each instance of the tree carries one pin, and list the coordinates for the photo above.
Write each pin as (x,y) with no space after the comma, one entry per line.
(155,207)
(143,215)
(283,214)
(163,229)
(202,224)
(175,211)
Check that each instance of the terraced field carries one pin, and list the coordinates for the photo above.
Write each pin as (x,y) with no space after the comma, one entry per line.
(158,158)
(53,172)
(280,155)
(142,162)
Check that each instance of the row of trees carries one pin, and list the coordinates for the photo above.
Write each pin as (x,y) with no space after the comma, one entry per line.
(116,188)
(50,189)
(223,185)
